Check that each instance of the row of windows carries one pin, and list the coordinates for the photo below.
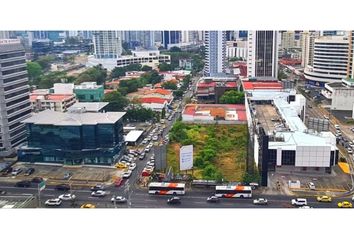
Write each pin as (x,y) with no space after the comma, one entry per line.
(232,191)
(17,101)
(16,93)
(11,55)
(18,108)
(18,140)
(7,72)
(20,115)
(12,79)
(166,188)
(17,85)
(14,133)
(8,64)
(15,125)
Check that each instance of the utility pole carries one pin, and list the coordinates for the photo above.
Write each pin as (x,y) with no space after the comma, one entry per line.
(39,196)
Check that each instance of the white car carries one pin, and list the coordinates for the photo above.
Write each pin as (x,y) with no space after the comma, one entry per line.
(260,201)
(98,193)
(149,168)
(127,174)
(16,171)
(147,149)
(311,186)
(53,202)
(132,166)
(150,163)
(299,202)
(118,199)
(337,127)
(155,138)
(152,158)
(353,198)
(150,145)
(350,151)
(67,197)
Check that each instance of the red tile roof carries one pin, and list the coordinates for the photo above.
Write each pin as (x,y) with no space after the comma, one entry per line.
(161,91)
(152,100)
(262,85)
(204,84)
(52,97)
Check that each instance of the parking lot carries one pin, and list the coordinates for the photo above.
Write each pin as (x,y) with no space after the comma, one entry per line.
(76,175)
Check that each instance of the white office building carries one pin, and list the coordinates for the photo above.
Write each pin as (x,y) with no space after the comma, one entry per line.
(107,44)
(215,51)
(14,96)
(330,60)
(262,60)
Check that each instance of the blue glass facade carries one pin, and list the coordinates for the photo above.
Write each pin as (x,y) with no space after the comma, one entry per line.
(87,144)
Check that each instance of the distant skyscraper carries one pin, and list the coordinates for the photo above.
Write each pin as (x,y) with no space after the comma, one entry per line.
(307,40)
(215,51)
(171,37)
(288,40)
(107,44)
(14,95)
(4,34)
(262,60)
(147,39)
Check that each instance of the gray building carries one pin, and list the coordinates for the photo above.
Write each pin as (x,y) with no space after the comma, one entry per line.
(215,52)
(14,96)
(107,44)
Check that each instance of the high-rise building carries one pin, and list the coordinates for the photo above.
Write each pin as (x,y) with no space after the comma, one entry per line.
(288,40)
(14,95)
(107,44)
(4,34)
(307,40)
(262,60)
(170,37)
(330,60)
(85,34)
(147,39)
(40,35)
(350,67)
(215,52)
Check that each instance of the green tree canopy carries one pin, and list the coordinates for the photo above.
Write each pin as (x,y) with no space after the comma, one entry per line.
(45,61)
(117,102)
(139,113)
(164,67)
(169,85)
(146,68)
(95,74)
(34,70)
(232,97)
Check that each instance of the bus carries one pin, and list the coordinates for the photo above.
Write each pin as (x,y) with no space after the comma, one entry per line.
(165,188)
(234,191)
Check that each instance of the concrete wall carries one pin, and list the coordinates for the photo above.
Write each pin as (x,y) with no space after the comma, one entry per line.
(342,99)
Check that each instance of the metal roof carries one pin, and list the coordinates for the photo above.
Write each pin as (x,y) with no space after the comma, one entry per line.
(49,117)
(133,136)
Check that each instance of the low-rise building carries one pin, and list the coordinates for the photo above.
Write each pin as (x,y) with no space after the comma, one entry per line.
(210,113)
(341,94)
(89,106)
(280,139)
(89,92)
(41,100)
(74,138)
(150,58)
(209,90)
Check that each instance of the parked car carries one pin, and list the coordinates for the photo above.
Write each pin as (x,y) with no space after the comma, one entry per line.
(23,184)
(325,117)
(7,171)
(37,180)
(141,157)
(127,174)
(174,200)
(88,205)
(311,186)
(260,201)
(345,204)
(2,192)
(155,138)
(62,187)
(121,164)
(324,199)
(67,175)
(336,126)
(29,171)
(132,166)
(16,171)
(67,197)
(98,187)
(98,193)
(299,201)
(213,199)
(350,151)
(150,163)
(118,199)
(53,202)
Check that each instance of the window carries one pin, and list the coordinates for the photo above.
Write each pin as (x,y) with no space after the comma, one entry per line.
(288,158)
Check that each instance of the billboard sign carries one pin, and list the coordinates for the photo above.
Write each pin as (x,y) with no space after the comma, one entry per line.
(186,157)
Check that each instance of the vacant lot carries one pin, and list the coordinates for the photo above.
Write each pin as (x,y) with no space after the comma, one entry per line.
(219,150)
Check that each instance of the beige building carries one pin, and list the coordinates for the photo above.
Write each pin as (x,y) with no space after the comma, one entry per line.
(307,39)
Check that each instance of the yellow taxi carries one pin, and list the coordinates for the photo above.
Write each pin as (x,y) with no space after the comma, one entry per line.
(345,204)
(324,198)
(88,205)
(120,165)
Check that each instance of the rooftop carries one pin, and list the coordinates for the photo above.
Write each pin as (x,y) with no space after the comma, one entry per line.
(199,109)
(153,100)
(133,136)
(51,97)
(88,85)
(49,117)
(88,106)
(262,85)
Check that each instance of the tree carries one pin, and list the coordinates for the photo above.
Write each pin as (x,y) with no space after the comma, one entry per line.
(152,77)
(118,72)
(34,70)
(95,74)
(163,113)
(232,97)
(45,61)
(139,113)
(175,49)
(165,67)
(133,67)
(178,93)
(169,85)
(146,68)
(282,75)
(48,80)
(131,85)
(117,102)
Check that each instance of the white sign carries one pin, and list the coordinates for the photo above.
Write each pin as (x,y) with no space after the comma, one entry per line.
(9,41)
(186,157)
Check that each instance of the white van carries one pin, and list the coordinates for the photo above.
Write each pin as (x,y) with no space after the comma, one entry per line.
(299,201)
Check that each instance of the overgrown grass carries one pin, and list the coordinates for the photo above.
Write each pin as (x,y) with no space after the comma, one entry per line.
(223,146)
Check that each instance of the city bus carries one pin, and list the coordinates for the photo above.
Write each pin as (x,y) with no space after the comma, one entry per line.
(165,188)
(234,191)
